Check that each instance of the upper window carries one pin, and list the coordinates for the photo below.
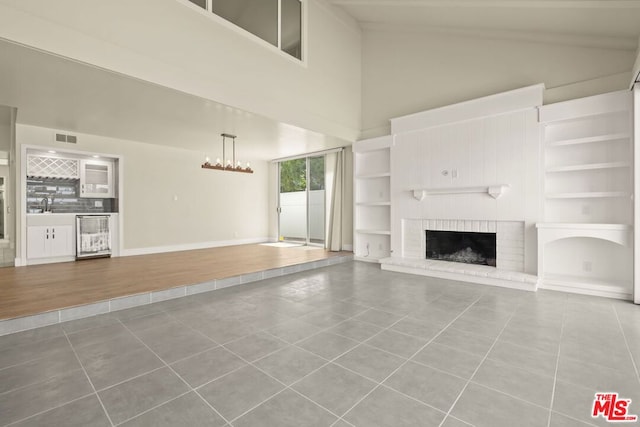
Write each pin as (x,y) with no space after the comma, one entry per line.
(278,22)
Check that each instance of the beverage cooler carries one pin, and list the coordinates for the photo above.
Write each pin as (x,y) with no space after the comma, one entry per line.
(93,237)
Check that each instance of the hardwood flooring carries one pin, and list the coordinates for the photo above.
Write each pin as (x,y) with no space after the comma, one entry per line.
(40,288)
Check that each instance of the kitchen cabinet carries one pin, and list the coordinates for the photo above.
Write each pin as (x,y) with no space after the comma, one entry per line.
(52,167)
(96,179)
(49,241)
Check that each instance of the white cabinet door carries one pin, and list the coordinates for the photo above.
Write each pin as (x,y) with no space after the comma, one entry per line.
(49,241)
(60,241)
(37,238)
(96,179)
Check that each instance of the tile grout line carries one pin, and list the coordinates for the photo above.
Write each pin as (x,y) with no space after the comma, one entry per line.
(571,417)
(59,374)
(22,387)
(555,374)
(478,367)
(129,379)
(289,387)
(286,387)
(389,328)
(89,379)
(328,362)
(154,407)
(47,410)
(29,360)
(626,342)
(265,330)
(407,361)
(174,372)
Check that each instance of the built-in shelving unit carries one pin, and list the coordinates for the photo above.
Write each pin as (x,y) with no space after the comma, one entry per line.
(374,175)
(592,166)
(588,195)
(374,204)
(584,242)
(372,210)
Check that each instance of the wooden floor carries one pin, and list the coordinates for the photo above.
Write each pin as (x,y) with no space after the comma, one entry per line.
(40,288)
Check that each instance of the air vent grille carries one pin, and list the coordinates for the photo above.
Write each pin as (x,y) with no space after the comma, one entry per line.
(61,137)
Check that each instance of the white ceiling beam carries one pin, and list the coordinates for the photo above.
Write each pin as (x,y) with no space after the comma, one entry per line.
(584,40)
(514,4)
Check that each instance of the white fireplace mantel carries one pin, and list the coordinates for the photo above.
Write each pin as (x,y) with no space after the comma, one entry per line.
(494,191)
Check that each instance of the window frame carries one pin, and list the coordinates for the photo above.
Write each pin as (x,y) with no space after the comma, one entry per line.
(239,30)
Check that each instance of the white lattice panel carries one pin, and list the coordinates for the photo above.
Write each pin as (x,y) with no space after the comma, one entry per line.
(51,167)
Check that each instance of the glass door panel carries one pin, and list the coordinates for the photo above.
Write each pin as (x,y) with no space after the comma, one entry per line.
(302,200)
(293,200)
(316,207)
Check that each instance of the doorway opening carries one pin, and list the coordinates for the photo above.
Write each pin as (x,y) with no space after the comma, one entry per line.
(302,200)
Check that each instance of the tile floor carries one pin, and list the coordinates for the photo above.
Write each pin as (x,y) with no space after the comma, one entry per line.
(346,345)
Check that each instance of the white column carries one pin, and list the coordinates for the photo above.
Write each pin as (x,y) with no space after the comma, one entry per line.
(636,193)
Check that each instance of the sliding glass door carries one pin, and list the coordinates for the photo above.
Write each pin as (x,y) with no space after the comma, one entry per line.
(301,203)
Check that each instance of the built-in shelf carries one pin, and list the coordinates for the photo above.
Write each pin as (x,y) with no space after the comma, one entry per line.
(374,175)
(583,226)
(616,233)
(373,203)
(588,195)
(587,285)
(372,207)
(588,139)
(381,232)
(589,166)
(494,191)
(588,171)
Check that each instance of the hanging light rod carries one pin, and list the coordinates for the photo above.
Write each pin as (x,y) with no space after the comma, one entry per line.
(231,165)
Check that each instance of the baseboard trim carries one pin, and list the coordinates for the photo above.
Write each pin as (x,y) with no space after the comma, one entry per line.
(192,246)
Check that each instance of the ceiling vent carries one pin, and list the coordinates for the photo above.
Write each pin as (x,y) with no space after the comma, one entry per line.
(61,137)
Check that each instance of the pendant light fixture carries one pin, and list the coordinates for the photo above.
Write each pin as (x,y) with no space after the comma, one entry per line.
(231,164)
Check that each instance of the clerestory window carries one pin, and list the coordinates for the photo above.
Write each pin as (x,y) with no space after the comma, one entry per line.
(278,22)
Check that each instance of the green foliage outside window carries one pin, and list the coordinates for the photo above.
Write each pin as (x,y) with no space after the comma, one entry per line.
(293,174)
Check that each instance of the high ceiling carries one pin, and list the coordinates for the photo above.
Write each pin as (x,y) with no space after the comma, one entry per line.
(591,18)
(62,94)
(58,93)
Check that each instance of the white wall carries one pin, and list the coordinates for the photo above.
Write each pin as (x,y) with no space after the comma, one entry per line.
(635,74)
(6,144)
(502,148)
(175,44)
(212,207)
(409,71)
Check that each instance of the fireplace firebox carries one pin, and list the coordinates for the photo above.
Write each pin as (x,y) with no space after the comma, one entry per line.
(465,247)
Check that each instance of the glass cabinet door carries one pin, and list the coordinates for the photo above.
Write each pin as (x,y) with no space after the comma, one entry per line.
(96,179)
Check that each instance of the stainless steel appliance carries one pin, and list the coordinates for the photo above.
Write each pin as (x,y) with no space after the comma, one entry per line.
(93,237)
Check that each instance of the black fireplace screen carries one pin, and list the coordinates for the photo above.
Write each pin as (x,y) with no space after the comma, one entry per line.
(466,247)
